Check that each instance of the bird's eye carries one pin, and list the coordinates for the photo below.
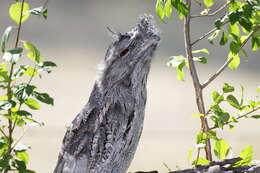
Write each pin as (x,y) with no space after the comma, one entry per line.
(124,52)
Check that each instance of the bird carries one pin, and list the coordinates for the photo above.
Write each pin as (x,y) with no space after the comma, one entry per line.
(104,136)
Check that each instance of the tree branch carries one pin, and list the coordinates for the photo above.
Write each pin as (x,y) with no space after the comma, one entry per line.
(239,117)
(195,79)
(208,33)
(212,14)
(221,69)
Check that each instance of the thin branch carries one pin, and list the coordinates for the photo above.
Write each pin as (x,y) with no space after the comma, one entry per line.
(208,33)
(195,79)
(239,117)
(212,14)
(221,69)
(3,133)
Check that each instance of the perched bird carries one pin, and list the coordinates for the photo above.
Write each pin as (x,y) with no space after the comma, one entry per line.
(104,135)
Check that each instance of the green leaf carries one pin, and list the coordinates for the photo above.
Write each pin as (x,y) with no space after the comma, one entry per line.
(31,72)
(255,116)
(5,105)
(23,113)
(180,7)
(228,88)
(221,149)
(46,66)
(15,12)
(168,9)
(244,53)
(43,97)
(233,101)
(38,11)
(180,72)
(208,3)
(159,10)
(17,50)
(231,127)
(223,39)
(190,154)
(202,161)
(197,115)
(235,61)
(217,98)
(245,23)
(34,53)
(255,43)
(234,47)
(20,71)
(33,104)
(234,17)
(5,38)
(23,91)
(253,103)
(212,135)
(233,31)
(242,95)
(23,156)
(246,155)
(213,36)
(201,138)
(166,166)
(175,61)
(201,50)
(200,59)
(234,120)
(258,90)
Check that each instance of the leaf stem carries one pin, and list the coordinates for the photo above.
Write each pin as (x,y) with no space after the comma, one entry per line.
(196,83)
(221,69)
(214,13)
(239,117)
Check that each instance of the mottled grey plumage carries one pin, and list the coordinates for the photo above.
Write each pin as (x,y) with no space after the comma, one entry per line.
(104,135)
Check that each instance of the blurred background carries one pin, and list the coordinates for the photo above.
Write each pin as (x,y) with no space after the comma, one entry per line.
(76,39)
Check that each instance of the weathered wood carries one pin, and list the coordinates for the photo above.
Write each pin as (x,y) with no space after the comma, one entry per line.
(223,166)
(104,135)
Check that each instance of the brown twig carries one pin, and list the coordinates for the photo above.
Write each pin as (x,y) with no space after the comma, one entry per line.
(239,117)
(221,69)
(212,14)
(195,79)
(208,33)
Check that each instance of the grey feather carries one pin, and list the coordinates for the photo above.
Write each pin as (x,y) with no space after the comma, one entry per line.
(104,136)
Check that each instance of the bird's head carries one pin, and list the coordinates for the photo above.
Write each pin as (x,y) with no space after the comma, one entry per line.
(129,53)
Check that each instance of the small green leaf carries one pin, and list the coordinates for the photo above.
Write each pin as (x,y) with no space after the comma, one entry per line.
(234,17)
(17,50)
(234,47)
(30,72)
(15,12)
(223,39)
(255,43)
(201,138)
(255,116)
(246,155)
(201,161)
(201,50)
(221,149)
(190,154)
(23,156)
(168,9)
(233,29)
(212,135)
(231,127)
(235,61)
(159,10)
(242,95)
(258,90)
(200,59)
(23,91)
(175,61)
(5,38)
(5,105)
(244,53)
(38,11)
(234,120)
(245,23)
(33,104)
(23,113)
(228,88)
(209,3)
(233,101)
(43,97)
(34,53)
(180,73)
(197,115)
(217,98)
(46,66)
(213,36)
